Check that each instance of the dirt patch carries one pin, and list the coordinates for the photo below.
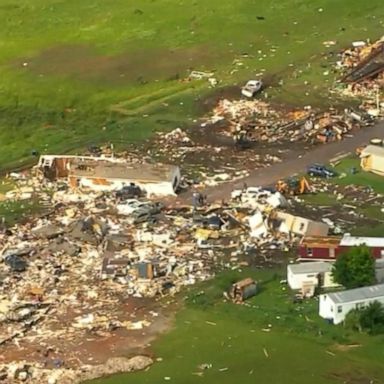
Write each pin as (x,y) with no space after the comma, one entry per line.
(346,347)
(84,63)
(97,346)
(207,103)
(353,377)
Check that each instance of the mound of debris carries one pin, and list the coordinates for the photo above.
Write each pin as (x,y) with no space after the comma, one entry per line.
(362,68)
(258,121)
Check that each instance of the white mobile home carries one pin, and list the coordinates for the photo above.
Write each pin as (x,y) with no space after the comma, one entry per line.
(372,159)
(335,306)
(318,274)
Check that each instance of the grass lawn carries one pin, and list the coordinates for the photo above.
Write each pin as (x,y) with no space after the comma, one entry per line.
(368,179)
(369,209)
(13,212)
(299,346)
(321,199)
(67,66)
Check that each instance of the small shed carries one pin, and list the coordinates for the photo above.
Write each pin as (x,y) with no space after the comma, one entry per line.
(335,306)
(372,159)
(243,290)
(317,274)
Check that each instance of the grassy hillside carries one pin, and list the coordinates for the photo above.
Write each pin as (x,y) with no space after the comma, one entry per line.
(271,340)
(65,63)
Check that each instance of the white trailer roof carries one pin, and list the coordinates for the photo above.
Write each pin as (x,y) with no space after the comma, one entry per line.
(358,294)
(354,241)
(310,267)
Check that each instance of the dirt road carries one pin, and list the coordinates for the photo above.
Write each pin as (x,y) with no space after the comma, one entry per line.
(296,163)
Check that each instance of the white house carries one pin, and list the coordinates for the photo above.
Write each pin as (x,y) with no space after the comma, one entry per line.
(335,306)
(318,274)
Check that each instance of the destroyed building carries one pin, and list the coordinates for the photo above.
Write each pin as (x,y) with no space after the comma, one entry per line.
(287,223)
(108,174)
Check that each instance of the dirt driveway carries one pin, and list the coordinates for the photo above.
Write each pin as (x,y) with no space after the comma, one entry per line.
(296,163)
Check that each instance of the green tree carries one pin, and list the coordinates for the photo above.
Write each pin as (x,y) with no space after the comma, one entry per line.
(372,318)
(355,268)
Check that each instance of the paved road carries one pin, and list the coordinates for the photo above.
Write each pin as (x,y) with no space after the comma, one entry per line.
(298,163)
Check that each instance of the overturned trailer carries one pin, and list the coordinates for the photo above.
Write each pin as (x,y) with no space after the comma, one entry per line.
(243,290)
(109,174)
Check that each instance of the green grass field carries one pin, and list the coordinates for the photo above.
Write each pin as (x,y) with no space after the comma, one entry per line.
(360,178)
(66,66)
(298,348)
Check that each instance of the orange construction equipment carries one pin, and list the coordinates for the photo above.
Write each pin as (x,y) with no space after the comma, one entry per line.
(293,186)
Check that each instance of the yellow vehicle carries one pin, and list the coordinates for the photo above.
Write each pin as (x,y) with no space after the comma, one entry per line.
(293,186)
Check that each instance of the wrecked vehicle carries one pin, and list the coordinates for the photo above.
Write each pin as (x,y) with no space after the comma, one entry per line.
(16,263)
(131,191)
(319,170)
(130,206)
(143,216)
(293,186)
(251,88)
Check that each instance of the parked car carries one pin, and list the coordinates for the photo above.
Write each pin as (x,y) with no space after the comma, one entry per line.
(320,171)
(127,207)
(131,191)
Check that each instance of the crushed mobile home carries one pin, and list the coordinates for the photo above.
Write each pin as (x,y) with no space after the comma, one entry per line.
(108,173)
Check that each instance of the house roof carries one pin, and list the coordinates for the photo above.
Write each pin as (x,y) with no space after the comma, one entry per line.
(354,241)
(372,150)
(358,294)
(312,267)
(320,241)
(143,173)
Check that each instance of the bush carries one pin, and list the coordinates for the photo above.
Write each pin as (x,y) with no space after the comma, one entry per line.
(352,320)
(369,319)
(372,318)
